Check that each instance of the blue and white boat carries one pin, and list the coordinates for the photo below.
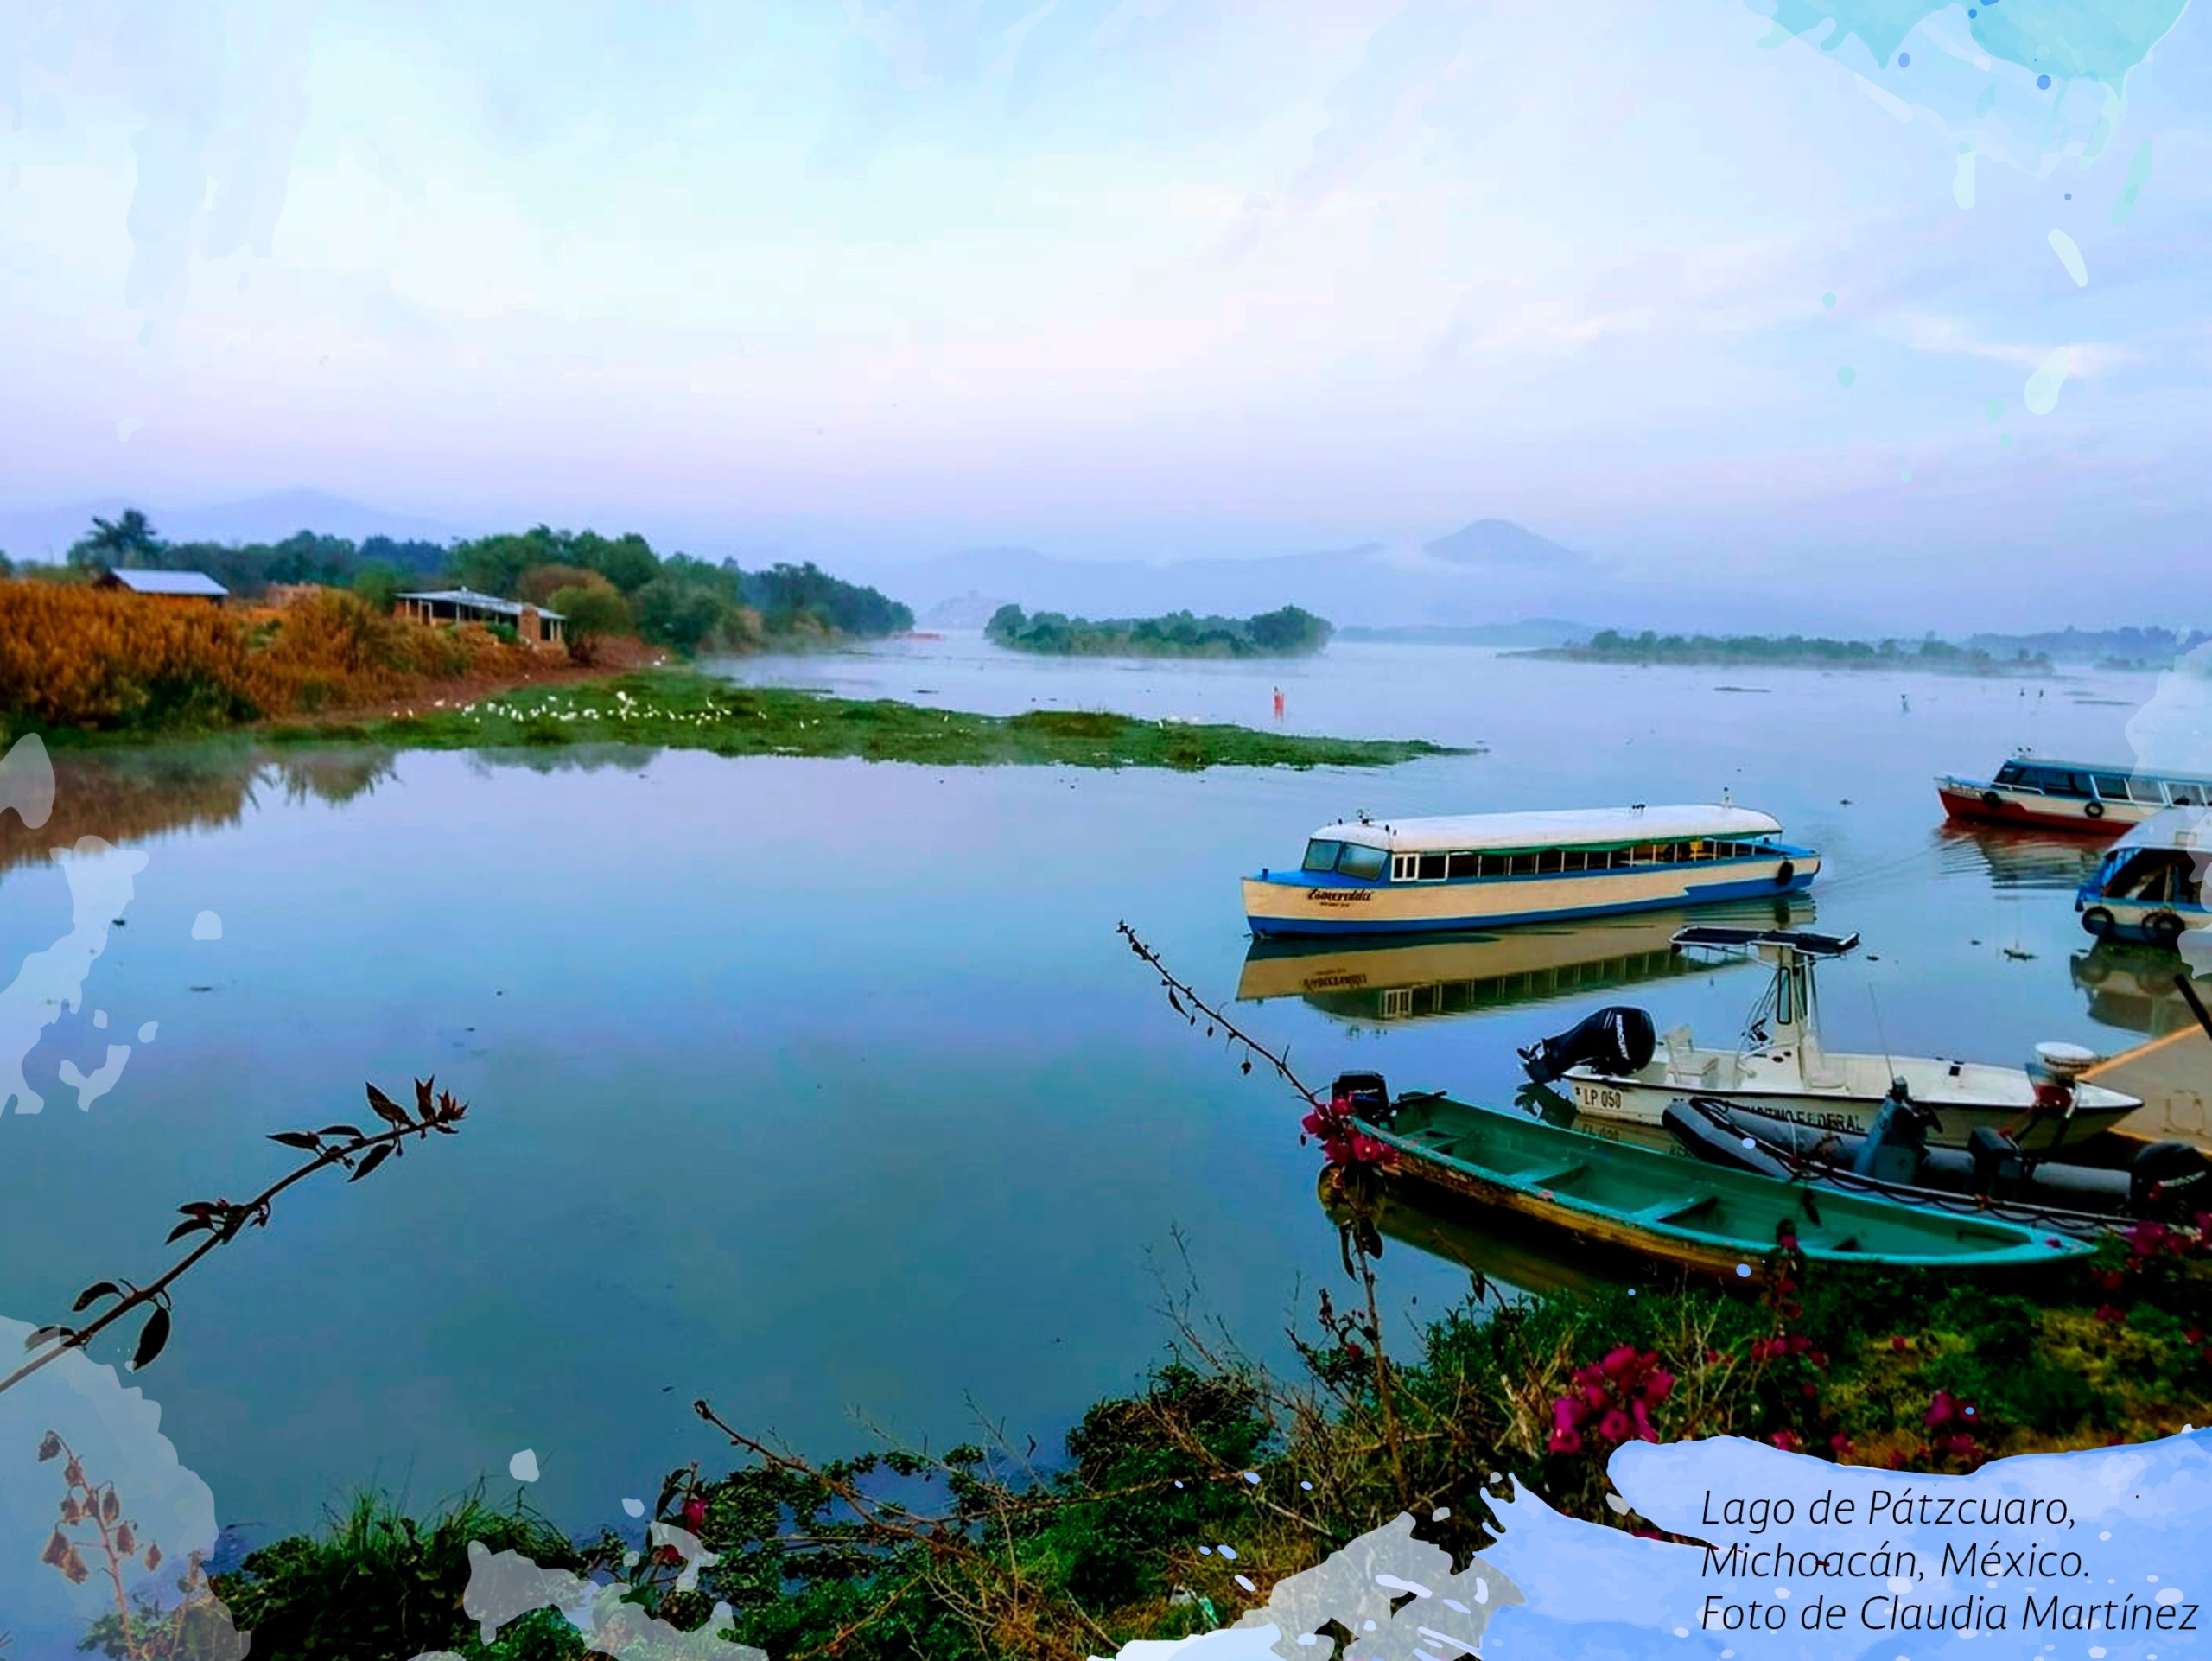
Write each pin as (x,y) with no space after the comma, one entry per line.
(2151,885)
(1486,871)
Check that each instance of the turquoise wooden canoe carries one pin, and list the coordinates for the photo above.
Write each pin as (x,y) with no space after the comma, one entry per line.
(1697,1217)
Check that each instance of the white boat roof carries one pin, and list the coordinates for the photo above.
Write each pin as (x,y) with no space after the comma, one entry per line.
(2172,827)
(1568,828)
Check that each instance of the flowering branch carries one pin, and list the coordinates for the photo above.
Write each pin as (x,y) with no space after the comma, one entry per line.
(221,1221)
(1181,992)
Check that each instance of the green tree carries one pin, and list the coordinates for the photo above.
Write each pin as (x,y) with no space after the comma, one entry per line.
(128,539)
(379,583)
(537,585)
(670,611)
(590,614)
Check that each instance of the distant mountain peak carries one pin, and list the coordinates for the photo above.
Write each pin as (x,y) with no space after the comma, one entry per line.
(1501,543)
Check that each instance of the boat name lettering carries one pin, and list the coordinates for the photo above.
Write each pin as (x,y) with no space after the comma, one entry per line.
(1825,1121)
(1340,896)
(1593,1099)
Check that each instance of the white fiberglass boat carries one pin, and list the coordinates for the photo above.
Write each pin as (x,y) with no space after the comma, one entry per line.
(1617,1071)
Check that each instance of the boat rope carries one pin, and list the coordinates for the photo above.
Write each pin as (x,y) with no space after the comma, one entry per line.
(1181,993)
(1809,1167)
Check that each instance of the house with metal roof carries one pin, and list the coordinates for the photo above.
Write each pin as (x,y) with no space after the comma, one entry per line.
(533,624)
(167,585)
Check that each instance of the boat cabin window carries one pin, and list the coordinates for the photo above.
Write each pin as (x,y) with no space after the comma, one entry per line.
(2184,794)
(2152,876)
(1368,863)
(1464,864)
(2053,781)
(1321,855)
(2010,773)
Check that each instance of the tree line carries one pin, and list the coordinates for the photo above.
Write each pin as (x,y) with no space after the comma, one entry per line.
(603,585)
(1289,631)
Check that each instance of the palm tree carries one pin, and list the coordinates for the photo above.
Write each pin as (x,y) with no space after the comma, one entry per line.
(128,540)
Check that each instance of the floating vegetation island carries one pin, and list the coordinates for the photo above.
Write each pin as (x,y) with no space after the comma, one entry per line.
(681,709)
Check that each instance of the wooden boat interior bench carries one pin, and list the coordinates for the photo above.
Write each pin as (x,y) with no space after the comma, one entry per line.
(1625,1193)
(1678,1211)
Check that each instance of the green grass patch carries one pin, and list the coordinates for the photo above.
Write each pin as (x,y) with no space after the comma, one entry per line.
(683,709)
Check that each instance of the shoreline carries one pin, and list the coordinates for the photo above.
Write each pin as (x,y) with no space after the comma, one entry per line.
(678,707)
(1995,670)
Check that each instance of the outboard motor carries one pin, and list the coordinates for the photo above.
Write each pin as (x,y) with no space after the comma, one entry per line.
(1615,1042)
(1999,1168)
(2167,1180)
(1365,1093)
(1894,1149)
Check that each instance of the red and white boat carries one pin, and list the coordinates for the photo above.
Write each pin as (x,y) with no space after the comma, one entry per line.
(2070,795)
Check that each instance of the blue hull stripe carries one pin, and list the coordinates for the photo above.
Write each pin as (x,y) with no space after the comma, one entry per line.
(1757,888)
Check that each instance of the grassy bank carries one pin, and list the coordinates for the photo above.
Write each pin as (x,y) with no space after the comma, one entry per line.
(980,1552)
(680,709)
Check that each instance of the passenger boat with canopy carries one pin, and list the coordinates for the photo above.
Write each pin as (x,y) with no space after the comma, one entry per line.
(2151,885)
(2070,795)
(1486,870)
(1618,1070)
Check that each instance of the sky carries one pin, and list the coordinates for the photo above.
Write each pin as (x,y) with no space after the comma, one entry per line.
(1143,278)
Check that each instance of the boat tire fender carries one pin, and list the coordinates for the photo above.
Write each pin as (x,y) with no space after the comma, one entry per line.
(2095,809)
(2097,920)
(1992,800)
(1786,873)
(2168,1179)
(2163,927)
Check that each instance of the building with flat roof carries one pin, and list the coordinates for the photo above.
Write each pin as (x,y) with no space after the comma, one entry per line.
(533,624)
(166,585)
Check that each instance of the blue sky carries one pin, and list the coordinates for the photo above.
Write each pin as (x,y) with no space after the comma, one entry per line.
(1132,276)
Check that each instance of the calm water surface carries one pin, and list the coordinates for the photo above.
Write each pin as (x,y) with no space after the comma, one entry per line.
(825,1090)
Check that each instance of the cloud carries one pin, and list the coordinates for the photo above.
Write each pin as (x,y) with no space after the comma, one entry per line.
(1932,331)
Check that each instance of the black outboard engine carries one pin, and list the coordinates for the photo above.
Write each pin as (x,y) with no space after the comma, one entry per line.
(1615,1042)
(2167,1180)
(1367,1094)
(2000,1169)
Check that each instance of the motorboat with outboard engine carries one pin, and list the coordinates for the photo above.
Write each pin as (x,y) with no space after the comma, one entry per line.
(1618,1069)
(1992,1175)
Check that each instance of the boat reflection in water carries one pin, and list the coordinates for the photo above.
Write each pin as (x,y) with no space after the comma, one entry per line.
(1510,1256)
(1412,979)
(2038,861)
(1487,1247)
(2132,987)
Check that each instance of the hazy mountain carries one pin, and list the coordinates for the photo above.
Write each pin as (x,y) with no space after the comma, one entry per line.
(46,533)
(1530,632)
(1500,544)
(970,610)
(1487,573)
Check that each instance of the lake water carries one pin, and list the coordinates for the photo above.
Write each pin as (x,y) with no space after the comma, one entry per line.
(825,1089)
